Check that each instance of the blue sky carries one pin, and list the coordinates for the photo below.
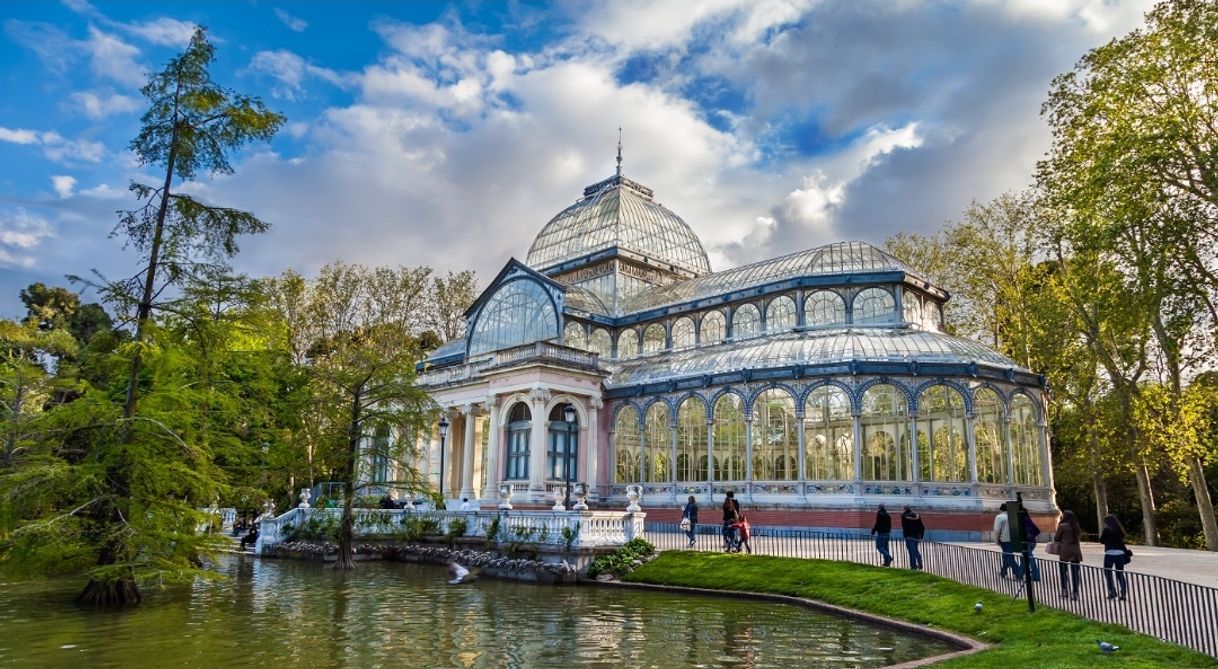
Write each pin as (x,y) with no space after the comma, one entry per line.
(448,134)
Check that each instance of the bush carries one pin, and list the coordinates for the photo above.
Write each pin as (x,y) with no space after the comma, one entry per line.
(621,561)
(456,528)
(417,527)
(319,527)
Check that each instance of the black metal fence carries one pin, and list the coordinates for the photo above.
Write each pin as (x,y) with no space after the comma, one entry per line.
(1175,611)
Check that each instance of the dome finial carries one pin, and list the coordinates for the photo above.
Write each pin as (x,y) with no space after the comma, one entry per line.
(619,150)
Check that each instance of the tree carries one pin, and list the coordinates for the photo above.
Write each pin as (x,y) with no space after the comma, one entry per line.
(452,295)
(121,483)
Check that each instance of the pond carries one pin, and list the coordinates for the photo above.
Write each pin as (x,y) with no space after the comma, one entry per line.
(298,614)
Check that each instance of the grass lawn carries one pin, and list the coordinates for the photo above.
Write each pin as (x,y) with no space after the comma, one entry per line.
(1047,638)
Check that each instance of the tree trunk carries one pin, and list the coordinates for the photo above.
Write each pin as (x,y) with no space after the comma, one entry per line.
(1101,499)
(109,594)
(346,551)
(1205,504)
(1150,527)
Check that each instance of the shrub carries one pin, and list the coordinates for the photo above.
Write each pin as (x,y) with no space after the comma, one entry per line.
(621,561)
(492,531)
(569,534)
(456,528)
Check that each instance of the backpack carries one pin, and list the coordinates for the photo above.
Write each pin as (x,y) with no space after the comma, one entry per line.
(1030,529)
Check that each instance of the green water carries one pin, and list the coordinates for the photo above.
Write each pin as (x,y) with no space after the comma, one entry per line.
(296,615)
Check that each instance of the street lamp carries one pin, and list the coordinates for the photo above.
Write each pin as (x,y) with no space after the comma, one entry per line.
(568,413)
(443,433)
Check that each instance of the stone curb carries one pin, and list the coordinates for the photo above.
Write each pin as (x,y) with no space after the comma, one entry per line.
(967,646)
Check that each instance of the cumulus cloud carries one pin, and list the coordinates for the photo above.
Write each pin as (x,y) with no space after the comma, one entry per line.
(98,105)
(291,72)
(21,233)
(56,147)
(63,184)
(294,23)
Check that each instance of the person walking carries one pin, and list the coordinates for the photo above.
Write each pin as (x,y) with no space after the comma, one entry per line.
(689,519)
(1030,533)
(731,516)
(1002,537)
(1068,538)
(1115,554)
(882,530)
(913,530)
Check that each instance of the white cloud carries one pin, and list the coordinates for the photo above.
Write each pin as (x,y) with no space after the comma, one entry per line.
(114,59)
(291,71)
(97,105)
(20,235)
(64,185)
(162,32)
(18,136)
(55,147)
(294,23)
(104,192)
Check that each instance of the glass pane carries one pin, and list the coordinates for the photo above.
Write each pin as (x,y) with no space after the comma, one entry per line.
(729,439)
(780,315)
(626,442)
(691,440)
(518,313)
(874,305)
(942,450)
(746,322)
(627,344)
(829,435)
(885,422)
(682,333)
(989,437)
(1025,442)
(653,338)
(574,336)
(775,442)
(601,343)
(714,328)
(824,307)
(657,444)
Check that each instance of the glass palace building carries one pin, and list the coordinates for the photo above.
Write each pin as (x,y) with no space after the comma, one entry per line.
(816,385)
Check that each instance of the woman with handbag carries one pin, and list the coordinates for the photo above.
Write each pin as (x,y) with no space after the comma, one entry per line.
(689,519)
(1116,554)
(1067,544)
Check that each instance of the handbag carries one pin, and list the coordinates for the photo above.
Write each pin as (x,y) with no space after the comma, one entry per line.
(1053,548)
(1128,556)
(686,524)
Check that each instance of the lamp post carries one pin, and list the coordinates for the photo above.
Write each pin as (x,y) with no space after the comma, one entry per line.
(568,413)
(443,433)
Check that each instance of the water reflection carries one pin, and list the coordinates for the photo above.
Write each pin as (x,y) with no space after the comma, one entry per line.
(390,615)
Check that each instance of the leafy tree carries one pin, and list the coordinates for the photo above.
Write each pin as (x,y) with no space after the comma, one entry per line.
(451,296)
(26,386)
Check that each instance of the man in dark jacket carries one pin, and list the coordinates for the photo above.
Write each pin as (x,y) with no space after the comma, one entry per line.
(914,530)
(882,530)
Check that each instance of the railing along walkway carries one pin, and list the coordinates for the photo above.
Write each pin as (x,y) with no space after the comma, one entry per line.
(1175,611)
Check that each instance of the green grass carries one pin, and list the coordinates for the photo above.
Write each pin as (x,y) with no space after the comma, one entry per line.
(1048,638)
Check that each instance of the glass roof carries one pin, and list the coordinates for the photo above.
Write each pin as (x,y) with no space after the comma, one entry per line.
(839,258)
(812,347)
(618,212)
(584,300)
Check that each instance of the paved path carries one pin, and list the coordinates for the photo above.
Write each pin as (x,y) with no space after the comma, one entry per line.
(1200,567)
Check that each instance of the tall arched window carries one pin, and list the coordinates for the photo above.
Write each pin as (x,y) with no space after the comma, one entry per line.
(942,449)
(714,328)
(728,451)
(653,338)
(626,446)
(989,437)
(561,451)
(519,429)
(780,315)
(518,313)
(829,435)
(574,336)
(885,422)
(691,440)
(824,307)
(911,304)
(874,305)
(657,443)
(627,344)
(746,322)
(775,441)
(600,343)
(683,333)
(1025,442)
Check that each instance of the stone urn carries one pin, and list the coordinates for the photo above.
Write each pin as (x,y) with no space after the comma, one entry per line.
(581,496)
(633,493)
(305,496)
(268,509)
(505,496)
(559,495)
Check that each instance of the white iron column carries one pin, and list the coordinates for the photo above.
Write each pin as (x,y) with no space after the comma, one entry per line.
(537,442)
(490,487)
(748,452)
(915,474)
(467,456)
(969,418)
(592,459)
(858,448)
(672,450)
(710,456)
(802,466)
(1006,440)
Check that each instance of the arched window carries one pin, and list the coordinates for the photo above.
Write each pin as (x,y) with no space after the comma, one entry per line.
(653,338)
(626,446)
(561,451)
(519,430)
(942,449)
(683,333)
(775,441)
(780,315)
(657,442)
(874,305)
(600,343)
(989,438)
(746,322)
(518,313)
(1025,442)
(885,422)
(574,336)
(714,328)
(824,307)
(911,304)
(728,450)
(627,344)
(691,440)
(829,435)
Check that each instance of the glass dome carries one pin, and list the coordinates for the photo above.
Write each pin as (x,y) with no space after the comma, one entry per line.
(618,212)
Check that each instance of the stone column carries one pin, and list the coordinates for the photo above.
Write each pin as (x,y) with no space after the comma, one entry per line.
(592,459)
(490,488)
(538,397)
(467,455)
